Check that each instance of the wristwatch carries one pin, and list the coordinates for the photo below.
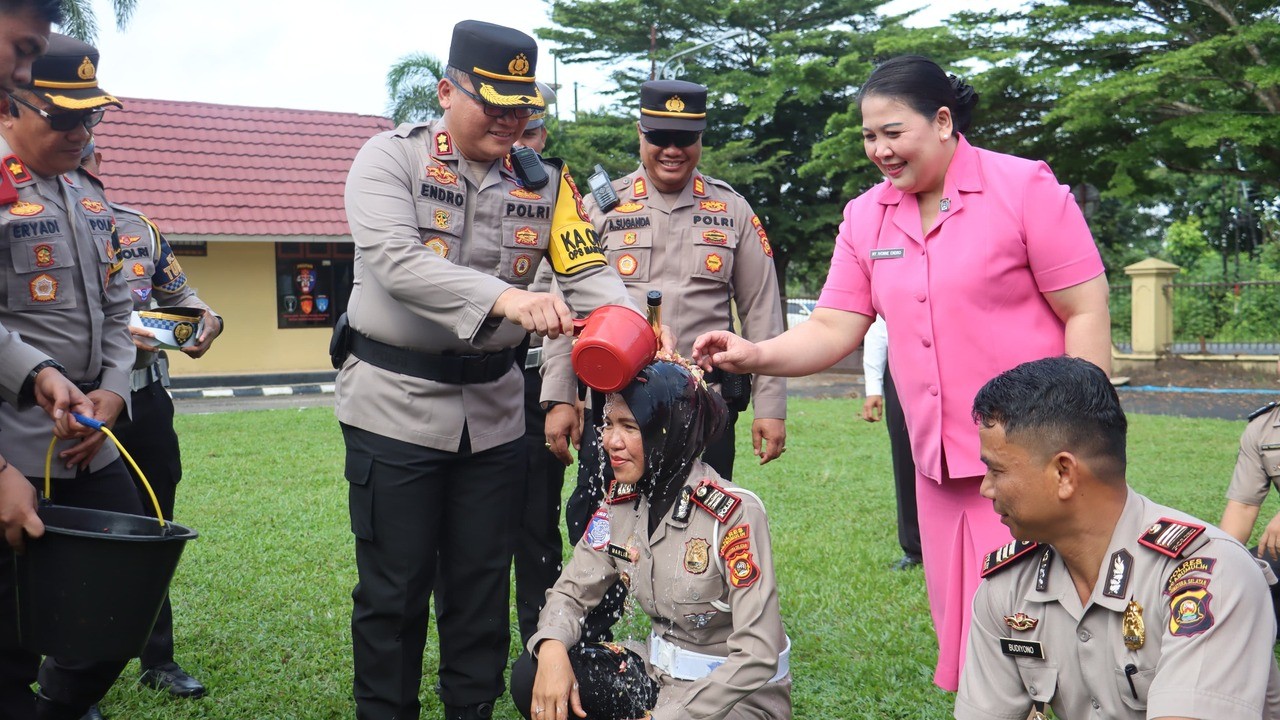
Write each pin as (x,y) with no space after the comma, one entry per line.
(27,395)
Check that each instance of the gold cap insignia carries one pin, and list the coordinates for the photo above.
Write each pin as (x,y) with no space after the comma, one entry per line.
(675,104)
(519,66)
(86,70)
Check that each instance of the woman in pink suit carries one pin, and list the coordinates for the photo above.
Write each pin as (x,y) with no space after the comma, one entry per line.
(978,262)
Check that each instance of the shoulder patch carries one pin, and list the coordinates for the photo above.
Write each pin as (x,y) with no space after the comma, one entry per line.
(1262,410)
(1170,537)
(1005,556)
(715,500)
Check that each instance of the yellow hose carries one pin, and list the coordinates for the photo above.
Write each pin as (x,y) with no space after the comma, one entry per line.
(48,466)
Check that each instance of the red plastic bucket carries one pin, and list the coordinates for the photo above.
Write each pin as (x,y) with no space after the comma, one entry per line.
(614,344)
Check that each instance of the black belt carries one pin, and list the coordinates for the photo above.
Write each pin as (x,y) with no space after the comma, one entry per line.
(452,369)
(88,387)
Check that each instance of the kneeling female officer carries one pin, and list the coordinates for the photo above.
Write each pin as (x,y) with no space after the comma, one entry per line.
(695,552)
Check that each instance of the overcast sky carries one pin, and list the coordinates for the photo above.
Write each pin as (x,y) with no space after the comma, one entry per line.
(313,55)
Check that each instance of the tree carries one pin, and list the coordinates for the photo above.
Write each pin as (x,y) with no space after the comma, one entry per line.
(411,85)
(775,69)
(1134,90)
(82,23)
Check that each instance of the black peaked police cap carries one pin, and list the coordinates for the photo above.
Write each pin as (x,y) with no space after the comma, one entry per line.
(673,105)
(500,62)
(67,75)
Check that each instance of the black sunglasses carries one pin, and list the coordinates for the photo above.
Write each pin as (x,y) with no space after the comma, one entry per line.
(494,111)
(679,138)
(64,122)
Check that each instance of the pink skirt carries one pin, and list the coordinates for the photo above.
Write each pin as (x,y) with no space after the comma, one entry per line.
(958,527)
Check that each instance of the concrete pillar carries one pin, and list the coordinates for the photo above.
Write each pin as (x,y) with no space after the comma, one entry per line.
(1152,306)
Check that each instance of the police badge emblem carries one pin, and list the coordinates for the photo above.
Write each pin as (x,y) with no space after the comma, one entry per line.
(696,556)
(183,331)
(1132,627)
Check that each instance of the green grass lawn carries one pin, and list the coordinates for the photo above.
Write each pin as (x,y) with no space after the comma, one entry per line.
(262,598)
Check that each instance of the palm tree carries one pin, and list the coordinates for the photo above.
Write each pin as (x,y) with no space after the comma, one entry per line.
(411,84)
(81,22)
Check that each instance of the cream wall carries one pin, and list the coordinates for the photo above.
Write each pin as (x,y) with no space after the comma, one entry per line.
(238,280)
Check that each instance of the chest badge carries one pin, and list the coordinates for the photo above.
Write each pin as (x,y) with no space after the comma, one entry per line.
(887,253)
(442,174)
(944,204)
(696,556)
(712,205)
(714,262)
(1021,622)
(1132,627)
(628,207)
(92,206)
(25,209)
(44,255)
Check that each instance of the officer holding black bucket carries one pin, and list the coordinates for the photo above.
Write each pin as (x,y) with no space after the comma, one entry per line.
(449,227)
(63,305)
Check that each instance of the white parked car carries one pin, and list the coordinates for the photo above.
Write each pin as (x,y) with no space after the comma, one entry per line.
(799,310)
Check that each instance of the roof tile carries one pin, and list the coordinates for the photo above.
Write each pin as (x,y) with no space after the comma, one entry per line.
(206,169)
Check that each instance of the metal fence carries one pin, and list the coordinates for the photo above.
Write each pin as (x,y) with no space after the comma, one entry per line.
(1226,318)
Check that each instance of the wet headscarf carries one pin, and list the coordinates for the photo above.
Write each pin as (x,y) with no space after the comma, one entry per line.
(678,418)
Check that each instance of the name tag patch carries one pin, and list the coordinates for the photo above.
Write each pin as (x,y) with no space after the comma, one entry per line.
(1022,648)
(887,253)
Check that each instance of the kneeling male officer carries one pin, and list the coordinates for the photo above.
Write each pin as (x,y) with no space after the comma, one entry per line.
(1107,604)
(449,230)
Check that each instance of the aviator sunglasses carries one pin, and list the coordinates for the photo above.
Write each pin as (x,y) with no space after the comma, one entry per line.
(63,122)
(679,138)
(494,111)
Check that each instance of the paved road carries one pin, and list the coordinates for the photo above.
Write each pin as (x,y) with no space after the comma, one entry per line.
(1224,404)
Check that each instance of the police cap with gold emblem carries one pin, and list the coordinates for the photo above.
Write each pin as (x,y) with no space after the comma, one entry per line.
(500,62)
(67,75)
(673,105)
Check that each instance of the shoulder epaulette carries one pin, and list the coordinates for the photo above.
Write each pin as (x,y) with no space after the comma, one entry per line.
(1170,537)
(1005,556)
(715,500)
(720,183)
(1262,410)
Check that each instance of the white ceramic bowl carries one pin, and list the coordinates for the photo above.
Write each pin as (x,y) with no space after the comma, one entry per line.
(174,327)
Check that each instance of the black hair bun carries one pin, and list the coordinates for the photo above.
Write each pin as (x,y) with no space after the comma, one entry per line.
(966,100)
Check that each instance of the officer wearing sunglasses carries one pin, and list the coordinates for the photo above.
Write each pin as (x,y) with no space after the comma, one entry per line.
(698,241)
(65,305)
(449,233)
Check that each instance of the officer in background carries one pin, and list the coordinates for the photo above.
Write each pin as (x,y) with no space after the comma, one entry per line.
(155,278)
(1257,469)
(538,546)
(448,234)
(882,397)
(65,305)
(1107,604)
(696,240)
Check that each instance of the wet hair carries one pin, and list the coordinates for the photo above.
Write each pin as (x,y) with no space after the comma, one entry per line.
(50,10)
(678,418)
(919,83)
(1058,404)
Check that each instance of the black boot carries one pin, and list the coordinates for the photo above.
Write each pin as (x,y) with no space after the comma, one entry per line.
(479,711)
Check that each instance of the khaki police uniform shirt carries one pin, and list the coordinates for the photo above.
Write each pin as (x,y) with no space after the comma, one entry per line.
(1206,649)
(436,244)
(703,250)
(707,585)
(152,271)
(1258,464)
(64,299)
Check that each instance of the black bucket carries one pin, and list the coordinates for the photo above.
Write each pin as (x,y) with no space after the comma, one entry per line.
(91,587)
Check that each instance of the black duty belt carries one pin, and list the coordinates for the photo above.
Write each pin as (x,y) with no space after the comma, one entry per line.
(452,369)
(88,387)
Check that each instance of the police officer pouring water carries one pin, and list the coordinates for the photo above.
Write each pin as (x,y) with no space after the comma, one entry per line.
(64,306)
(1107,605)
(449,228)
